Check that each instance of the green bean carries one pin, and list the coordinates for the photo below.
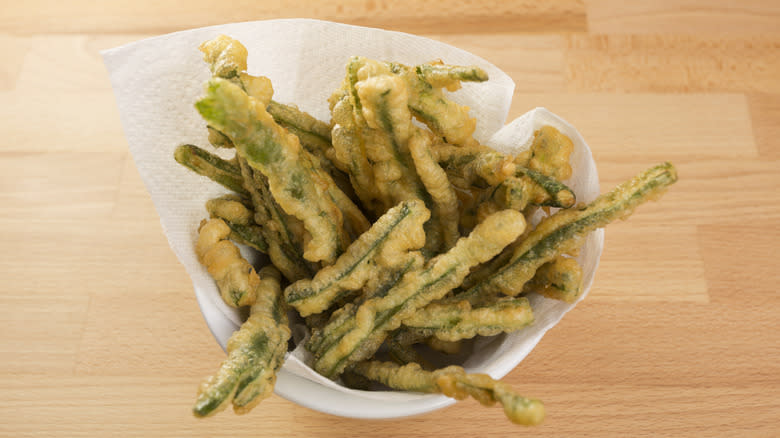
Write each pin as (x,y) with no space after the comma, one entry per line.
(456,321)
(350,150)
(453,381)
(482,273)
(387,123)
(314,134)
(566,230)
(379,315)
(227,60)
(446,347)
(218,139)
(255,354)
(441,75)
(301,189)
(483,167)
(212,166)
(559,279)
(284,244)
(235,277)
(553,193)
(387,128)
(239,217)
(343,319)
(433,177)
(428,104)
(315,137)
(403,354)
(396,232)
(549,154)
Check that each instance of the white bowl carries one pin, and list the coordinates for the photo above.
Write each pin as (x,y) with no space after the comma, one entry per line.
(156,82)
(496,356)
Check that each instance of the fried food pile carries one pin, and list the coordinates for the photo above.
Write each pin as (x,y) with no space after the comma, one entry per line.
(389,229)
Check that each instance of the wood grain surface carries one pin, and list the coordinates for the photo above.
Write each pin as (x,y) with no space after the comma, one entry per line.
(100,334)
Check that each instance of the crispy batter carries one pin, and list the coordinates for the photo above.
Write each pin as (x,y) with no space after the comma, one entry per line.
(559,279)
(567,229)
(282,233)
(445,202)
(255,353)
(236,105)
(380,315)
(235,277)
(453,381)
(397,232)
(459,320)
(549,153)
(240,218)
(302,190)
(211,166)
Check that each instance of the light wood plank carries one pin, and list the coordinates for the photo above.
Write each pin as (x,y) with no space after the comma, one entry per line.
(50,186)
(638,342)
(653,126)
(686,16)
(672,63)
(76,408)
(71,59)
(41,330)
(739,261)
(45,16)
(765,114)
(14,50)
(74,120)
(650,263)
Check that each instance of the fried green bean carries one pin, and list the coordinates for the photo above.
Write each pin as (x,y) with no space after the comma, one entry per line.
(227,57)
(315,137)
(280,232)
(481,167)
(314,134)
(238,216)
(255,354)
(329,231)
(398,231)
(388,124)
(218,139)
(566,230)
(211,166)
(453,381)
(350,151)
(429,105)
(227,60)
(236,279)
(379,315)
(403,354)
(386,127)
(559,279)
(433,177)
(549,154)
(342,321)
(440,75)
(301,189)
(456,321)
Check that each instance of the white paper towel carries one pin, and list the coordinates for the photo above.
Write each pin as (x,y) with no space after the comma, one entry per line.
(156,82)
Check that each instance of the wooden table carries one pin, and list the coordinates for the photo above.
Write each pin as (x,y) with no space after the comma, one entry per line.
(101,334)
